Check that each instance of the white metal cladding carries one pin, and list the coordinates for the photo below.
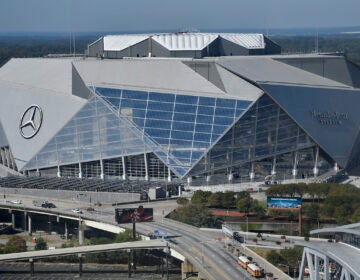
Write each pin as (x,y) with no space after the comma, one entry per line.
(249,41)
(52,75)
(160,75)
(185,41)
(121,42)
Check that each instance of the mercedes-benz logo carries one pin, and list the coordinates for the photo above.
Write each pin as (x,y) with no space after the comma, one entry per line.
(31,121)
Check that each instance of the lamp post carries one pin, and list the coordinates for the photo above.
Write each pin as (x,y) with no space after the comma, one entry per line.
(166,251)
(202,253)
(129,266)
(247,227)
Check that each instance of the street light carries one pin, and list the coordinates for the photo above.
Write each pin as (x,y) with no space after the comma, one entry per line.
(167,251)
(247,227)
(202,253)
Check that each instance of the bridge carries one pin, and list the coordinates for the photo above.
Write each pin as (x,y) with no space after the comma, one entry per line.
(80,251)
(200,253)
(90,249)
(338,258)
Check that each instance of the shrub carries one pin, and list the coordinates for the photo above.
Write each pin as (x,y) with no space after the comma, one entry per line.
(15,244)
(40,244)
(182,201)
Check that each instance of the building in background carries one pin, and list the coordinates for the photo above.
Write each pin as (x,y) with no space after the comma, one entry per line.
(182,44)
(194,107)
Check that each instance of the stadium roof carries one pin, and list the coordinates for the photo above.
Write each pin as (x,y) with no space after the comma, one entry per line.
(118,43)
(268,70)
(249,41)
(161,75)
(53,75)
(182,41)
(185,41)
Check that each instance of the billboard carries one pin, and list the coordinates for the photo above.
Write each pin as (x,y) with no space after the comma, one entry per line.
(284,203)
(127,215)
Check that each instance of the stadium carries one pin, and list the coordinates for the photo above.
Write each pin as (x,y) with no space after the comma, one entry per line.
(200,108)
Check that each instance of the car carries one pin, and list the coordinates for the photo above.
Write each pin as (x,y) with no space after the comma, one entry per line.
(46,204)
(77,211)
(90,209)
(16,201)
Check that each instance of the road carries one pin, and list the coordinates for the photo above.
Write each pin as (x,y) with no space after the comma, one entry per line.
(199,247)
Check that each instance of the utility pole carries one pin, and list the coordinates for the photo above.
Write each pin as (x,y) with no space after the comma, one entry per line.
(134,239)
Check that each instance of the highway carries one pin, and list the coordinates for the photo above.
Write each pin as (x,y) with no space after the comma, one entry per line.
(200,248)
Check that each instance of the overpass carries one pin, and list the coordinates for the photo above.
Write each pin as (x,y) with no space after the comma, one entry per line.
(198,250)
(89,249)
(80,251)
(339,258)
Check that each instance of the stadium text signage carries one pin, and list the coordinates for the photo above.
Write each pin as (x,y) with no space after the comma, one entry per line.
(31,121)
(329,118)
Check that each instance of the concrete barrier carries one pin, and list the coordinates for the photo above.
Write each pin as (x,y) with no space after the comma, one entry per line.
(83,197)
(268,267)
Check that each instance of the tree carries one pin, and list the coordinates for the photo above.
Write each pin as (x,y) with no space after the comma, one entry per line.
(274,257)
(215,199)
(244,204)
(15,244)
(125,236)
(200,197)
(292,256)
(40,244)
(311,211)
(258,209)
(182,201)
(355,218)
(228,200)
(342,214)
(193,214)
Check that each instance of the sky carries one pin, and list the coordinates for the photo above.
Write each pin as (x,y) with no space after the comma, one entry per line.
(152,15)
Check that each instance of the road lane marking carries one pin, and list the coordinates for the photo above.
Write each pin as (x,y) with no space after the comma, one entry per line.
(221,272)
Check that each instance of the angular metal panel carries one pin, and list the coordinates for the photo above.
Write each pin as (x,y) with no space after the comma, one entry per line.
(3,140)
(328,115)
(57,109)
(95,132)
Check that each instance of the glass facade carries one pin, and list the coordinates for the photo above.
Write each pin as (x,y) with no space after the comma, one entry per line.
(6,158)
(183,127)
(263,132)
(94,133)
(143,135)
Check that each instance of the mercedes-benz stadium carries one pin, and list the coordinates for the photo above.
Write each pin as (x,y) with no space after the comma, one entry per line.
(193,107)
